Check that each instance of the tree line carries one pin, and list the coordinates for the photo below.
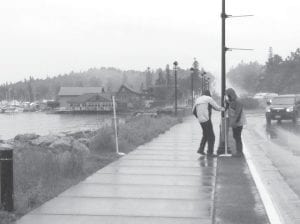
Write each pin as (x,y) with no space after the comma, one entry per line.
(276,75)
(33,89)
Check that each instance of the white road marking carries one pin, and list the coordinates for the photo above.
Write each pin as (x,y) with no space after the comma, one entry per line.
(271,210)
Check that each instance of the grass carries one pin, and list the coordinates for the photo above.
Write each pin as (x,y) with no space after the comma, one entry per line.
(41,174)
(135,132)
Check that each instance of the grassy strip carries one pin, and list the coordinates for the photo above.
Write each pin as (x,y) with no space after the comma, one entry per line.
(41,174)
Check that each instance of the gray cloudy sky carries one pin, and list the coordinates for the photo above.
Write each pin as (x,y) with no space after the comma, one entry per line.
(48,37)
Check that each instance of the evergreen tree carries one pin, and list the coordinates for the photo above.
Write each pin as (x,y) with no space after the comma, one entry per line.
(168,75)
(149,78)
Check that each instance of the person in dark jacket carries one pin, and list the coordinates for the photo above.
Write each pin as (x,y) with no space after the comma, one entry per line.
(237,119)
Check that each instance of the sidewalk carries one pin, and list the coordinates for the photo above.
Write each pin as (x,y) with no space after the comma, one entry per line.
(163,181)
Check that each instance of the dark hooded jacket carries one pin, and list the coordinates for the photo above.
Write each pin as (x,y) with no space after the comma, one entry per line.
(235,109)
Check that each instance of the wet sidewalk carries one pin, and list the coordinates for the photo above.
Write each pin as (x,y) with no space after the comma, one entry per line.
(161,182)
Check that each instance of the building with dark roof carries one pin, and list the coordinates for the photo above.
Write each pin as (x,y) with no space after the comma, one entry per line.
(130,98)
(91,102)
(67,94)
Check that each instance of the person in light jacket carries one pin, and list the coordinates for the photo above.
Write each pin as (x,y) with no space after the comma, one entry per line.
(237,119)
(202,110)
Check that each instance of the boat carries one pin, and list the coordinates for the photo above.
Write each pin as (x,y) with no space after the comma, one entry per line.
(12,109)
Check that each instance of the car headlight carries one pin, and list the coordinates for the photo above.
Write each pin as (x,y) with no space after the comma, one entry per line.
(289,109)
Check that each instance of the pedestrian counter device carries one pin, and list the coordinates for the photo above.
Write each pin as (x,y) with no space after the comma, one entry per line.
(6,177)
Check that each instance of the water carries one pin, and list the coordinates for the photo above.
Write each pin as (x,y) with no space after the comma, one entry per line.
(43,124)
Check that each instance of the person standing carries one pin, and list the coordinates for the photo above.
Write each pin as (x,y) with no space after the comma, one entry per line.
(237,119)
(202,110)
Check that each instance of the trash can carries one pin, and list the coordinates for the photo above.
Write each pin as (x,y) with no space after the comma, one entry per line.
(6,177)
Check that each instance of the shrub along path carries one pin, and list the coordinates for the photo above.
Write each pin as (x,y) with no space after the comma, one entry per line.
(163,181)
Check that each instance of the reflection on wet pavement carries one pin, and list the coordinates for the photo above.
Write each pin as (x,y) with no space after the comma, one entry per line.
(207,161)
(273,129)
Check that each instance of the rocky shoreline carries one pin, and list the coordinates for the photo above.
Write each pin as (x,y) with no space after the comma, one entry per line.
(75,142)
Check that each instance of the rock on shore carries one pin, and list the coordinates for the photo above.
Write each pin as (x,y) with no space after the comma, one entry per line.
(55,143)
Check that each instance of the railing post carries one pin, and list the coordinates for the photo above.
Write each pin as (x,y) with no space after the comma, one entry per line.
(6,177)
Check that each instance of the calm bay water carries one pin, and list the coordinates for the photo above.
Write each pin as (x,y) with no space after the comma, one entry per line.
(42,123)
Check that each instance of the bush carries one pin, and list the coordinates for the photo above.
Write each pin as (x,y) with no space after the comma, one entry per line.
(133,133)
(103,140)
(38,172)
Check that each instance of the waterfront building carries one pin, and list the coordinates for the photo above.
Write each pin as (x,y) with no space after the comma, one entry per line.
(67,94)
(91,102)
(128,98)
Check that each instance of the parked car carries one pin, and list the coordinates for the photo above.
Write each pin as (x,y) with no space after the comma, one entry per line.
(283,107)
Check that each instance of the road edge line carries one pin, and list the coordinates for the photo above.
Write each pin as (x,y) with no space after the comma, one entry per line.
(270,208)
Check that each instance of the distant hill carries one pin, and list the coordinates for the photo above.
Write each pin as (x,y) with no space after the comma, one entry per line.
(110,78)
(35,89)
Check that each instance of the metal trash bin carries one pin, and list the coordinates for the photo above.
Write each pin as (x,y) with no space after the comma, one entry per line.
(6,177)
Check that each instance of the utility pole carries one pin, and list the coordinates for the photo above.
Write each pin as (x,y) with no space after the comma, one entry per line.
(175,74)
(223,127)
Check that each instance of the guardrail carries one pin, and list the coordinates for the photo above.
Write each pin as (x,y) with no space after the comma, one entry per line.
(6,177)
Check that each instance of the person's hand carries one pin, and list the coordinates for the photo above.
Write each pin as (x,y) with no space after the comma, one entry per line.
(222,108)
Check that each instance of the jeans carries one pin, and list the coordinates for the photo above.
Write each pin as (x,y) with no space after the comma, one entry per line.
(237,135)
(208,136)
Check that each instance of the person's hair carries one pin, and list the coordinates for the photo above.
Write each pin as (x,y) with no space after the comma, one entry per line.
(206,93)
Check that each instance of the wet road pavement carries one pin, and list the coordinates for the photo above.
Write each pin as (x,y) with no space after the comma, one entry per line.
(164,181)
(275,152)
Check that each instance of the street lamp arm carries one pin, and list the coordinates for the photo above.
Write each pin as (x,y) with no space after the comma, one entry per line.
(239,49)
(231,16)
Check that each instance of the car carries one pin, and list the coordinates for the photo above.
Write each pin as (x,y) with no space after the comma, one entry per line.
(283,107)
(264,96)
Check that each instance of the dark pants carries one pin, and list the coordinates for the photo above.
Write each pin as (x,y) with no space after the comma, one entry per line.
(237,135)
(208,136)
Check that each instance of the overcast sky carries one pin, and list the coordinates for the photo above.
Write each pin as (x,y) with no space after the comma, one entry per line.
(51,37)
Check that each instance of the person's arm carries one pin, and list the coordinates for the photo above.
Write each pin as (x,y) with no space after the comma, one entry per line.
(194,110)
(214,105)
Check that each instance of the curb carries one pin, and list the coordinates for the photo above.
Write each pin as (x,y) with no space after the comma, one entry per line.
(270,208)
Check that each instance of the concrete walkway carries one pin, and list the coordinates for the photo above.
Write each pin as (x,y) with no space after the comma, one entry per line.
(163,181)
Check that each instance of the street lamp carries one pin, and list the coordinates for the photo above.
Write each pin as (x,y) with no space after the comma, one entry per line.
(208,79)
(175,74)
(223,130)
(203,73)
(192,84)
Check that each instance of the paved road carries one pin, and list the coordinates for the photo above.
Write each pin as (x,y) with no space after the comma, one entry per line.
(275,152)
